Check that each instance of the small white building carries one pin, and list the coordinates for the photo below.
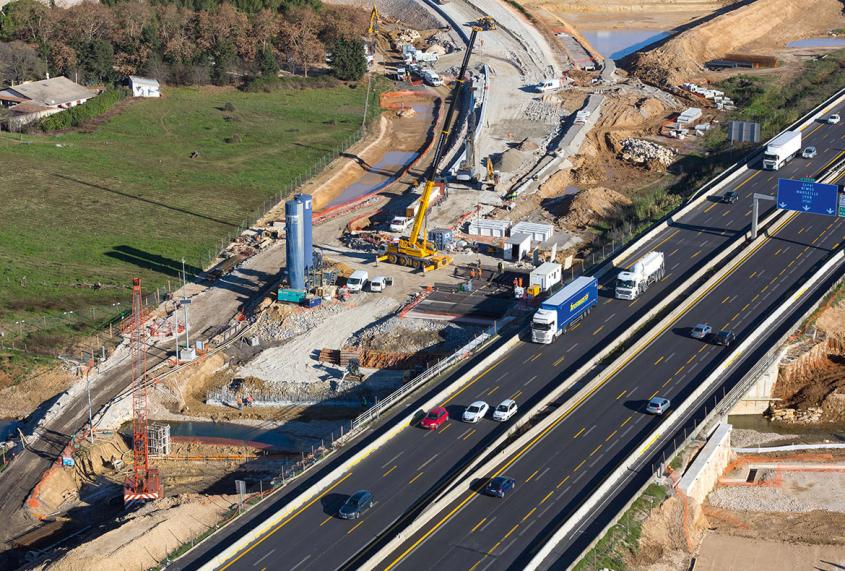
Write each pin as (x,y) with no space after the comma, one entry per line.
(539,232)
(144,86)
(517,247)
(690,115)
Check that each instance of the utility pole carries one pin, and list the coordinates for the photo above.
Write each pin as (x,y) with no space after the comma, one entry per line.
(185,303)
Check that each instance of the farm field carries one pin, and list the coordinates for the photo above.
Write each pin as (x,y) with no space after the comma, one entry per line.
(126,199)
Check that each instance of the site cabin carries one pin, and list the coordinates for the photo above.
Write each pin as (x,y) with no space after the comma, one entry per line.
(144,86)
(545,276)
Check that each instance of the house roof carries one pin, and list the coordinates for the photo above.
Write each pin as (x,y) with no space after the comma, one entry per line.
(137,80)
(29,107)
(53,91)
(8,95)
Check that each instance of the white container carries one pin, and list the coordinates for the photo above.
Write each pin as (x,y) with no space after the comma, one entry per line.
(546,275)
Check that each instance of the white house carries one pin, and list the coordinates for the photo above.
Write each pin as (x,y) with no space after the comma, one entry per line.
(144,87)
(33,100)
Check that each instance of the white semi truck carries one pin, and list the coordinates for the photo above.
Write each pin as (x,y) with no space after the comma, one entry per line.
(781,149)
(636,279)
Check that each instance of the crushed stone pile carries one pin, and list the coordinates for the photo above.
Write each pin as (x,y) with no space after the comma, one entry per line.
(646,153)
(408,37)
(510,161)
(398,335)
(593,204)
(443,40)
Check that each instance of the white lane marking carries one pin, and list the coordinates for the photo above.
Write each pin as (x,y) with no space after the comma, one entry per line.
(389,462)
(590,430)
(574,345)
(427,462)
(307,557)
(529,381)
(266,555)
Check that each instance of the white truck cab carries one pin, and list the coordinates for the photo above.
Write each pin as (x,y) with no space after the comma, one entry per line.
(548,85)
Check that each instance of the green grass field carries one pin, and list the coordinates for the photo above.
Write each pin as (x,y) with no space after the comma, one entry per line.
(127,199)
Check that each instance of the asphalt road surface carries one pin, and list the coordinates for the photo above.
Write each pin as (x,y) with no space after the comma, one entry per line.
(406,472)
(569,460)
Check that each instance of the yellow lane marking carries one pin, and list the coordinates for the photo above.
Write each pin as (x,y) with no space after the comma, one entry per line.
(548,495)
(746,180)
(755,298)
(746,306)
(596,449)
(493,390)
(633,302)
(735,315)
(356,526)
(754,273)
(654,394)
(516,394)
(531,477)
(681,368)
(415,478)
(724,301)
(696,253)
(445,428)
(477,563)
(529,514)
(660,359)
(562,482)
(651,442)
(388,472)
(626,421)
(559,361)
(622,394)
(596,332)
(711,207)
(479,524)
(286,521)
(431,530)
(536,356)
(469,384)
(325,521)
(579,433)
(691,359)
(611,435)
(471,432)
(578,467)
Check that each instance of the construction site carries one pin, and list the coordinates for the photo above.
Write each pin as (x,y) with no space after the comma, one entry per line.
(507,158)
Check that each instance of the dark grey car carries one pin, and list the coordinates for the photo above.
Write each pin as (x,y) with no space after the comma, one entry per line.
(356,505)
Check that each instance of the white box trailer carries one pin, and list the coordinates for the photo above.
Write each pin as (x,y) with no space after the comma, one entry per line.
(546,275)
(781,149)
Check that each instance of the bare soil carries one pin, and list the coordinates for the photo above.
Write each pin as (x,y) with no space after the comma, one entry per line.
(20,399)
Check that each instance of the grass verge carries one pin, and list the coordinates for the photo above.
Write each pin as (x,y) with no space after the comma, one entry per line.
(85,212)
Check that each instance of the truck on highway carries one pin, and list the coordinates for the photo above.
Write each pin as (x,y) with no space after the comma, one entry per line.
(781,149)
(564,308)
(636,279)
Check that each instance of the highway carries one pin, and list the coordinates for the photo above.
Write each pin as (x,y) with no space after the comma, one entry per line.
(406,472)
(566,463)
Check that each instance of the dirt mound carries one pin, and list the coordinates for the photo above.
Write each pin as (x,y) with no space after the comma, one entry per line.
(594,204)
(146,536)
(509,161)
(757,27)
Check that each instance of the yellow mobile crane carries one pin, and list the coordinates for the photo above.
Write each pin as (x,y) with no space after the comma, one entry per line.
(416,251)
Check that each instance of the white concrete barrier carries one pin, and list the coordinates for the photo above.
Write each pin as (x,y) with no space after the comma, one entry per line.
(615,480)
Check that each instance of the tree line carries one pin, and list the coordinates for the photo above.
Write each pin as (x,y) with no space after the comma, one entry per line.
(181,42)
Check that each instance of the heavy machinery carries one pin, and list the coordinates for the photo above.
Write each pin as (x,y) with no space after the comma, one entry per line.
(416,251)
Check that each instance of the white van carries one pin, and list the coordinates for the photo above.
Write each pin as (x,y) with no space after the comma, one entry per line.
(357,280)
(380,283)
(431,78)
(548,85)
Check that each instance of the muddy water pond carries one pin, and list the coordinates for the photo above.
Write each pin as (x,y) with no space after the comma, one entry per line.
(817,43)
(616,44)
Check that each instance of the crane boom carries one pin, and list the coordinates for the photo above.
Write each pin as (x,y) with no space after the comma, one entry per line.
(415,250)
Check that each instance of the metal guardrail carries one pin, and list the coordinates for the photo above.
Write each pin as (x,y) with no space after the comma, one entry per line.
(376,410)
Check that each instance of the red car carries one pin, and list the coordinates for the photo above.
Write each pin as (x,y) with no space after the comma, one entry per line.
(434,418)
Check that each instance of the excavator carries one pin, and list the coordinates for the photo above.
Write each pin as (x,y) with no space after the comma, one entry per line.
(416,251)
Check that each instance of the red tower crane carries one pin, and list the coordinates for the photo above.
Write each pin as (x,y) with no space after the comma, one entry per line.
(144,483)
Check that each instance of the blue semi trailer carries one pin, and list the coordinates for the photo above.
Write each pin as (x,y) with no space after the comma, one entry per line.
(564,308)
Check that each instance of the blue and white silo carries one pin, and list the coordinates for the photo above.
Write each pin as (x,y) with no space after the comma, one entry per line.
(294,244)
(307,242)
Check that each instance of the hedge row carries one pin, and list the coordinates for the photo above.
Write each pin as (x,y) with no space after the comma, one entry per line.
(76,116)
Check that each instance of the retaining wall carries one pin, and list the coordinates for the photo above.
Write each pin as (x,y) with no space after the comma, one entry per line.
(711,462)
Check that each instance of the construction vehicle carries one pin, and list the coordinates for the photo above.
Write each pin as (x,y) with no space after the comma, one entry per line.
(416,251)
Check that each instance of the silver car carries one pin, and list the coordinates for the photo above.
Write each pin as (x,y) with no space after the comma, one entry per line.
(701,331)
(809,153)
(658,405)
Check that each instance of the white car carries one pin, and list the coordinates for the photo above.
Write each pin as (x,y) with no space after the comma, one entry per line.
(380,283)
(833,119)
(475,411)
(505,410)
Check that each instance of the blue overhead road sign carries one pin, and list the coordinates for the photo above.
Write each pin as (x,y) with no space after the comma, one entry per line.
(807,196)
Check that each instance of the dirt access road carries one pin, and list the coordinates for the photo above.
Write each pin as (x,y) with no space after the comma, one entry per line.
(210,310)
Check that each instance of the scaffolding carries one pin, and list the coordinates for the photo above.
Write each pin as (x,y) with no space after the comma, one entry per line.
(159,436)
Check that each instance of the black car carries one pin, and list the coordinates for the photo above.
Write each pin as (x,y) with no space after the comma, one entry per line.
(356,505)
(500,486)
(724,337)
(730,197)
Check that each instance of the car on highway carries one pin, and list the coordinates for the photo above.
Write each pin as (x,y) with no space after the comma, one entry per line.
(435,418)
(701,331)
(730,197)
(505,410)
(658,405)
(500,486)
(724,337)
(356,505)
(809,153)
(475,411)
(833,119)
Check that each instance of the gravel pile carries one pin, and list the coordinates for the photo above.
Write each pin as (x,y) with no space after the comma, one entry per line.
(646,153)
(408,12)
(398,335)
(810,415)
(759,499)
(745,438)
